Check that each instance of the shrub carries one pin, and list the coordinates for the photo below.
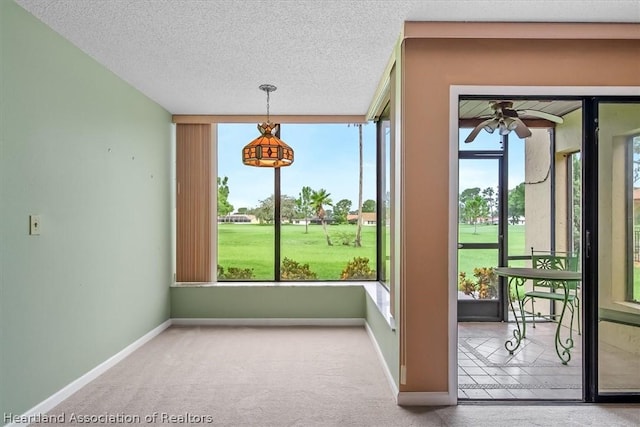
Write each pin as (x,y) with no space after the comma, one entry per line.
(235,273)
(485,286)
(292,270)
(345,237)
(466,285)
(358,269)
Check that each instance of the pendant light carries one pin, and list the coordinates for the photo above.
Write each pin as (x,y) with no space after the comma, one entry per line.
(267,150)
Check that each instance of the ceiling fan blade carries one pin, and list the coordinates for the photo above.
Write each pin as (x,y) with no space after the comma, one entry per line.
(491,127)
(542,115)
(476,130)
(521,129)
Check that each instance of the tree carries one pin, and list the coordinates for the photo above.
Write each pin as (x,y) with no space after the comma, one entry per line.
(243,211)
(369,206)
(474,209)
(318,200)
(466,194)
(266,209)
(224,207)
(489,194)
(469,193)
(341,210)
(303,206)
(287,208)
(515,205)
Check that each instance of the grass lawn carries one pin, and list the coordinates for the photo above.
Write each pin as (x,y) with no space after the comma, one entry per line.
(636,283)
(471,258)
(468,259)
(252,246)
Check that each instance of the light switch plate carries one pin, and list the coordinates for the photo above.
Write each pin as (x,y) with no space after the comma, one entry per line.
(34,225)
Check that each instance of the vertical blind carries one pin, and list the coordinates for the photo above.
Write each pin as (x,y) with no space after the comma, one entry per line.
(194,212)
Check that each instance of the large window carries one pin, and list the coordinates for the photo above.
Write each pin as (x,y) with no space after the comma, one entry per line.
(321,233)
(384,198)
(245,210)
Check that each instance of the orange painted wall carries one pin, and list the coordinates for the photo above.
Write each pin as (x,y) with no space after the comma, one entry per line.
(429,67)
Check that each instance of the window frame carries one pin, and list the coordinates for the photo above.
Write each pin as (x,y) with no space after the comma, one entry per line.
(379,145)
(383,167)
(570,195)
(630,211)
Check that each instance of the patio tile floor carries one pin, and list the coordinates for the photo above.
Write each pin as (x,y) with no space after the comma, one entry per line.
(486,370)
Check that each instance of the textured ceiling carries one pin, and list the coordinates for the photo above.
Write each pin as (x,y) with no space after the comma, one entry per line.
(325,56)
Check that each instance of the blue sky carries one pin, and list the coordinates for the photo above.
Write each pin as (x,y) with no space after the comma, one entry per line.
(326,156)
(484,173)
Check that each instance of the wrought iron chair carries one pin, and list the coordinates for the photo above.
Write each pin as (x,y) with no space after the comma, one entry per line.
(551,290)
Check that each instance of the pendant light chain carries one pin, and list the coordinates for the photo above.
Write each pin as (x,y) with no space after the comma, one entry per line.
(268,105)
(268,88)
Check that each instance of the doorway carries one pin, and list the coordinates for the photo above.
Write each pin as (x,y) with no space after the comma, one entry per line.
(513,188)
(591,205)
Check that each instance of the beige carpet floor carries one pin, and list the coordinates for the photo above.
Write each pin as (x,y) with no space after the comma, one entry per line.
(283,376)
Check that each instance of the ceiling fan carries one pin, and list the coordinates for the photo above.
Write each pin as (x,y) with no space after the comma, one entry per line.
(506,119)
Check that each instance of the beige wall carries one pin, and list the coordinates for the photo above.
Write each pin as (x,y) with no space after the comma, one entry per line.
(429,67)
(569,133)
(617,121)
(537,190)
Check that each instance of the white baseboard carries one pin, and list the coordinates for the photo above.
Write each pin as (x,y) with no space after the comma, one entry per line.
(419,398)
(387,373)
(355,321)
(57,398)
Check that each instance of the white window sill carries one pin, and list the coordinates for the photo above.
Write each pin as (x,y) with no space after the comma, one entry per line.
(631,307)
(266,284)
(380,295)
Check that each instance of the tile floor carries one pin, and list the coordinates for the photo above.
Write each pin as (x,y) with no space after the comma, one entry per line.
(487,371)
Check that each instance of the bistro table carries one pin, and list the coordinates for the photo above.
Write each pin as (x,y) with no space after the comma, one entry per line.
(517,276)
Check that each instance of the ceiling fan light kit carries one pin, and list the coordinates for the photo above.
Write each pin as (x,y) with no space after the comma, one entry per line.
(507,119)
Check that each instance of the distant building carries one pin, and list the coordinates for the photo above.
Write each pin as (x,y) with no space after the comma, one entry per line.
(301,221)
(238,219)
(368,218)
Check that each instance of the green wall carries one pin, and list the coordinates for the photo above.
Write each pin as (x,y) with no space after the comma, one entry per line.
(288,301)
(388,339)
(281,301)
(91,155)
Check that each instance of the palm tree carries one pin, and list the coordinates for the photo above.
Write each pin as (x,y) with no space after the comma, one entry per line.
(318,200)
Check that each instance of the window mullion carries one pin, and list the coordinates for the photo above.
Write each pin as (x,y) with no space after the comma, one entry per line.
(277,218)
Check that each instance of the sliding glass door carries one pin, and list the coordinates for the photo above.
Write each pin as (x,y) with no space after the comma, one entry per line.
(617,209)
